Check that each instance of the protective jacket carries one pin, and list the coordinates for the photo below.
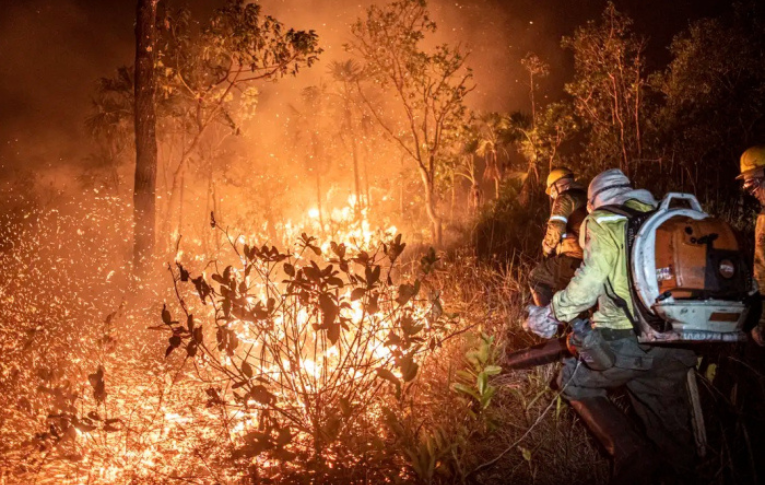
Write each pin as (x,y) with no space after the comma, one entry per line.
(602,278)
(759,258)
(568,211)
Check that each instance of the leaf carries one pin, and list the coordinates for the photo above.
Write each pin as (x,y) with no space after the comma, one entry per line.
(329,309)
(482,380)
(97,382)
(358,294)
(335,281)
(166,317)
(466,390)
(191,349)
(84,427)
(247,370)
(262,395)
(405,293)
(492,370)
(252,450)
(526,453)
(333,333)
(284,437)
(371,306)
(202,288)
(372,276)
(111,427)
(289,269)
(389,376)
(183,272)
(312,273)
(408,368)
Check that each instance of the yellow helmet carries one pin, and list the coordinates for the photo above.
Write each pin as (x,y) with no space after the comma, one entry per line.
(752,161)
(557,174)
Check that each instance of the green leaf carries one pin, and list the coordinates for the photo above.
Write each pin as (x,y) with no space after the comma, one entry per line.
(466,390)
(492,370)
(481,382)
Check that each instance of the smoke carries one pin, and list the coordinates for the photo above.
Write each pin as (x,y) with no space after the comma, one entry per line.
(53,51)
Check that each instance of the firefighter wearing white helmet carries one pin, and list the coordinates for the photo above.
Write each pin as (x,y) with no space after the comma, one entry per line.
(753,176)
(560,245)
(653,375)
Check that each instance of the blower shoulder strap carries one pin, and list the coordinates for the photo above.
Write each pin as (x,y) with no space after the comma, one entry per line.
(633,222)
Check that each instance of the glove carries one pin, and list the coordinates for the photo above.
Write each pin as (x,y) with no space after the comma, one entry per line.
(758,335)
(547,250)
(541,321)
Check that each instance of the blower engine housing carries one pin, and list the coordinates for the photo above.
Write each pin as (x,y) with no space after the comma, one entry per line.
(690,279)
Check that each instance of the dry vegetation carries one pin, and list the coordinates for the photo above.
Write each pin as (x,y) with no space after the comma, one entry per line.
(337,355)
(91,397)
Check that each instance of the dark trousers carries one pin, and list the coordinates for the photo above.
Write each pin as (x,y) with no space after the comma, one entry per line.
(655,378)
(551,275)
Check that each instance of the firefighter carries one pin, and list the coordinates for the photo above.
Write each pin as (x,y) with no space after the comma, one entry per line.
(560,246)
(747,367)
(753,176)
(653,375)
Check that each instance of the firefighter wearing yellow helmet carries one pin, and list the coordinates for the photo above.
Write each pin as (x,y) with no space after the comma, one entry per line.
(753,176)
(560,245)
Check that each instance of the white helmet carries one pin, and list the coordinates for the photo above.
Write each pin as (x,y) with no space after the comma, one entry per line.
(605,185)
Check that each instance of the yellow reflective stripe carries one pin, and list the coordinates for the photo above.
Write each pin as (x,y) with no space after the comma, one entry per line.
(562,219)
(611,218)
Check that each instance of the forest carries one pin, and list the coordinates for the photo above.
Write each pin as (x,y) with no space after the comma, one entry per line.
(284,261)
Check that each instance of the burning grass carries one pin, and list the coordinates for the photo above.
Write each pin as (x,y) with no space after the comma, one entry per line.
(348,362)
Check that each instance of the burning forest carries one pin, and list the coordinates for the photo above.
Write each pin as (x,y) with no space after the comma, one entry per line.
(389,241)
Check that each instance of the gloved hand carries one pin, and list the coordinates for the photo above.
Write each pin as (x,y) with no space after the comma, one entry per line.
(547,250)
(541,321)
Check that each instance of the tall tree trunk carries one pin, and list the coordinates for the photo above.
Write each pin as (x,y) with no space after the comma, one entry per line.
(319,195)
(367,200)
(354,152)
(430,206)
(145,137)
(401,189)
